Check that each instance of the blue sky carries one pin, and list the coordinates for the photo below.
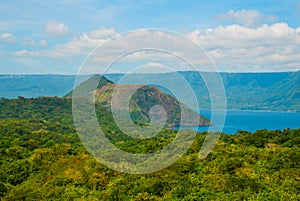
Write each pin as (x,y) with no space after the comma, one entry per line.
(247,36)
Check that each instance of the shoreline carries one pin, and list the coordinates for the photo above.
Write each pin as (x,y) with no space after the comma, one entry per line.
(204,109)
(241,110)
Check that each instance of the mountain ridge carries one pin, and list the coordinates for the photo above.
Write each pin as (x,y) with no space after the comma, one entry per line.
(275,91)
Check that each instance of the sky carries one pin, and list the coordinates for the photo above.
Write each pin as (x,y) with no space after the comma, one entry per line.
(55,37)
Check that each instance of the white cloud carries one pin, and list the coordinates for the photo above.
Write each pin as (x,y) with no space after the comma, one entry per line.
(152,67)
(240,36)
(29,42)
(249,18)
(26,53)
(85,43)
(268,47)
(7,37)
(43,43)
(131,41)
(233,48)
(56,29)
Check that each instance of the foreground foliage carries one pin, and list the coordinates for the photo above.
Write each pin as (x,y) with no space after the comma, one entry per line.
(42,158)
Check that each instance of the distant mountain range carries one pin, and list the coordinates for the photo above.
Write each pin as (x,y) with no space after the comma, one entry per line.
(245,91)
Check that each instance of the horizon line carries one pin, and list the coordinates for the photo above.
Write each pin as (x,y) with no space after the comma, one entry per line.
(237,72)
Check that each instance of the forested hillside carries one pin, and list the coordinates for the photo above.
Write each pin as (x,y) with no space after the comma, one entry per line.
(244,91)
(42,158)
(30,86)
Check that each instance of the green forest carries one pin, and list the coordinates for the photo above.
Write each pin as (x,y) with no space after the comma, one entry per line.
(42,158)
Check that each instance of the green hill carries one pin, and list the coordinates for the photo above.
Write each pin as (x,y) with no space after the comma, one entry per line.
(141,102)
(87,87)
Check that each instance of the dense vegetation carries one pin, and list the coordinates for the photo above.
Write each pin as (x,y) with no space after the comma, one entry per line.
(42,158)
(267,91)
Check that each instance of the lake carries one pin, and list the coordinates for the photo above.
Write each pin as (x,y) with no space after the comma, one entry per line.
(253,120)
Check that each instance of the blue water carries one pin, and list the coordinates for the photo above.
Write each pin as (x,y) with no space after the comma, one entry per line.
(253,120)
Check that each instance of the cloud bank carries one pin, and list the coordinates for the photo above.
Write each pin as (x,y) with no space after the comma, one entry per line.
(246,45)
(248,18)
(233,48)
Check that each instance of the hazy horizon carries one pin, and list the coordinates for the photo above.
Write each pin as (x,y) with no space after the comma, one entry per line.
(250,72)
